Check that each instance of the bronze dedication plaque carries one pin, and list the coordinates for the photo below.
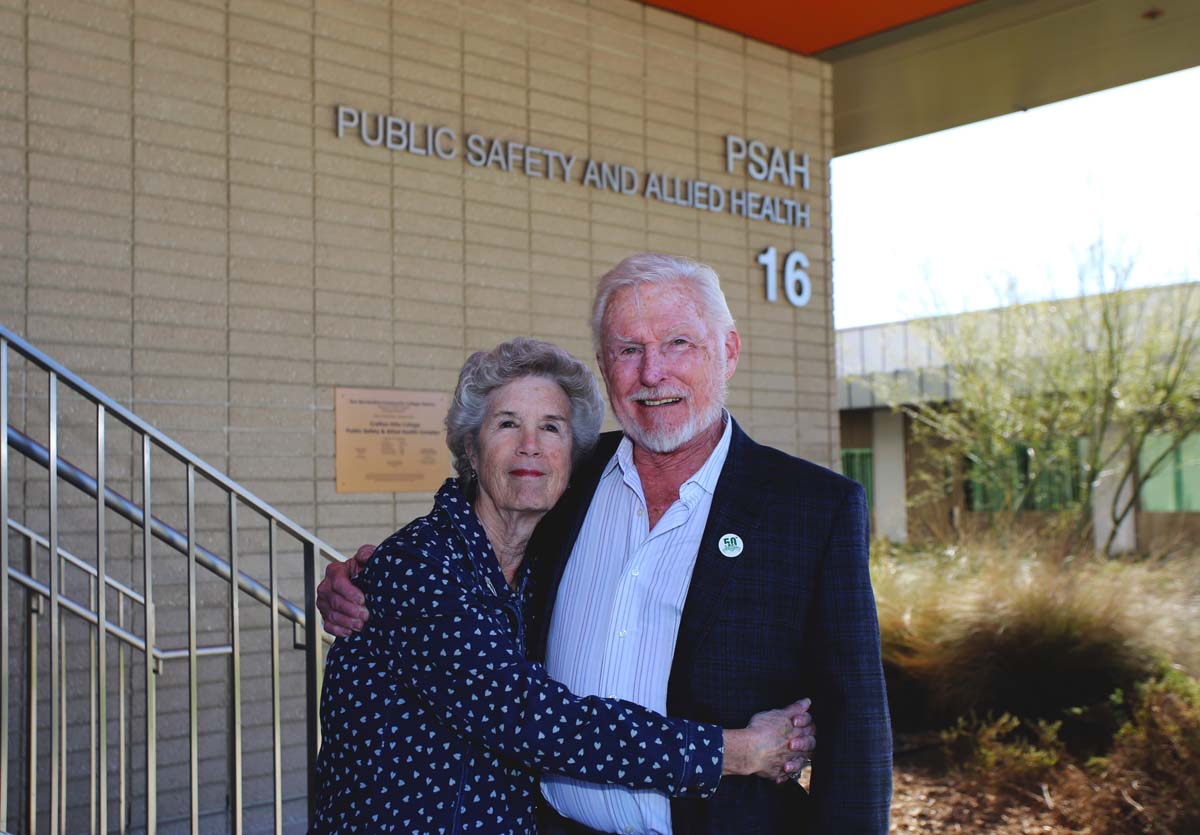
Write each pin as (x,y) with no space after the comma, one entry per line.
(390,440)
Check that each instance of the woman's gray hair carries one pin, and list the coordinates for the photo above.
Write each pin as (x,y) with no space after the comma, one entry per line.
(653,268)
(486,371)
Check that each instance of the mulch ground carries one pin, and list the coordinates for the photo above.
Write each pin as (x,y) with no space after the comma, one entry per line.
(939,804)
(929,799)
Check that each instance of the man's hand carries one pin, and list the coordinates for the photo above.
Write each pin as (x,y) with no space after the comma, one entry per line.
(340,601)
(776,744)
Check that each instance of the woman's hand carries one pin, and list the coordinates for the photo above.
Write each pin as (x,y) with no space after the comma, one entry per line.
(775,745)
(342,605)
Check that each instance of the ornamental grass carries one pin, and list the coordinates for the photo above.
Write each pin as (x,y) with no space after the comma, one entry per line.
(976,630)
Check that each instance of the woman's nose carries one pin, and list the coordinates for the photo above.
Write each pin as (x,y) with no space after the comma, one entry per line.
(530,444)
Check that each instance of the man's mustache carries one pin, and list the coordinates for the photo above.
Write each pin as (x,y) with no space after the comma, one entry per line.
(657,393)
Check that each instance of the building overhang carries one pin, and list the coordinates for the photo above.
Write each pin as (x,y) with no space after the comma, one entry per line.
(809,26)
(904,68)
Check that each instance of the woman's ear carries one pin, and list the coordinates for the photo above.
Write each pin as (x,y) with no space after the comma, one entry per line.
(472,454)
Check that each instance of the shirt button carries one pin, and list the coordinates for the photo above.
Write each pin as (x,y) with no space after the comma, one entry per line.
(639,513)
(622,634)
(628,828)
(635,572)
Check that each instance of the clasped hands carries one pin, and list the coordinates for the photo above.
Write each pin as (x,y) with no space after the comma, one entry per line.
(776,744)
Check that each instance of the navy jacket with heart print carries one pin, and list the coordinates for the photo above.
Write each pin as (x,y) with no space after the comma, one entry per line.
(433,721)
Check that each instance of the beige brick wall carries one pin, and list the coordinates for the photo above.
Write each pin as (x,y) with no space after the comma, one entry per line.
(180,224)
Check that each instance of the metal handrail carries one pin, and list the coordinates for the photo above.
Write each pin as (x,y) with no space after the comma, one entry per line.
(305,618)
(76,477)
(115,585)
(76,608)
(115,409)
(81,610)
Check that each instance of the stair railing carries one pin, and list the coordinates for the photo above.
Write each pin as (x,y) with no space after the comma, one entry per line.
(46,599)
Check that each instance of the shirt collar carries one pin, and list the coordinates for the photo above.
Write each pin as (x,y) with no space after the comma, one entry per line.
(705,478)
(454,503)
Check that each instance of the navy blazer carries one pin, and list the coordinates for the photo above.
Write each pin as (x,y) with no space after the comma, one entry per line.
(793,615)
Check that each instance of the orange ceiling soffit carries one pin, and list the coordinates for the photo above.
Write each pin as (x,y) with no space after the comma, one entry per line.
(808,26)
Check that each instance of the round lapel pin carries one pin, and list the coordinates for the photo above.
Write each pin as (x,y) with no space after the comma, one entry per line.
(730,544)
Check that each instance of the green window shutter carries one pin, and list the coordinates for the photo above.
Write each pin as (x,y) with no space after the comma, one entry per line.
(992,489)
(858,464)
(1056,487)
(1188,480)
(1160,491)
(982,494)
(1053,488)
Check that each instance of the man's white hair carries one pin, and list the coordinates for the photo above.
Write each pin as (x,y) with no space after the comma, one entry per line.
(654,268)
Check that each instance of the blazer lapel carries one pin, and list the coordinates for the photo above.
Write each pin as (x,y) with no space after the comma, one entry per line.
(734,511)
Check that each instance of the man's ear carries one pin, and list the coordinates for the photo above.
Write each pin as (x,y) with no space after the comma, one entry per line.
(733,350)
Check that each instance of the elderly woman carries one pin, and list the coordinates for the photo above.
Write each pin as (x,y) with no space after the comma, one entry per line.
(432,718)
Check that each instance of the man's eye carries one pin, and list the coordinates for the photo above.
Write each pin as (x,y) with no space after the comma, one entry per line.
(507,424)
(551,427)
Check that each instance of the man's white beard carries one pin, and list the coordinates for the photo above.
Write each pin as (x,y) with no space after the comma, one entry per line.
(671,439)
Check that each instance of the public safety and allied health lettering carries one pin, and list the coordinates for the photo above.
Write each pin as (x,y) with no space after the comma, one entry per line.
(762,163)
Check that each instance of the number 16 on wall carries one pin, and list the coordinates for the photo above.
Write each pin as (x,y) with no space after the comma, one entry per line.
(796,283)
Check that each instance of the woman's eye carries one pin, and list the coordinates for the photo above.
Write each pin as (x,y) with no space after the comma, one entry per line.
(551,427)
(507,424)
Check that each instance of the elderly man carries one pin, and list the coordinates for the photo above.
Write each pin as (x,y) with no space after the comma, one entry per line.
(693,571)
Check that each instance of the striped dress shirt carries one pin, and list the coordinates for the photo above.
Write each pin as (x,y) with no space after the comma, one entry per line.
(617,615)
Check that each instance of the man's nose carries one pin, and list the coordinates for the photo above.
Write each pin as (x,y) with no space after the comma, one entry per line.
(653,368)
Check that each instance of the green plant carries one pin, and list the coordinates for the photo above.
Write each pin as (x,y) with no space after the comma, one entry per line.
(1148,784)
(1003,752)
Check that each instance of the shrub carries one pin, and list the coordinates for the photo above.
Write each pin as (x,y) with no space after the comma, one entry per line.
(978,630)
(1148,784)
(1003,753)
